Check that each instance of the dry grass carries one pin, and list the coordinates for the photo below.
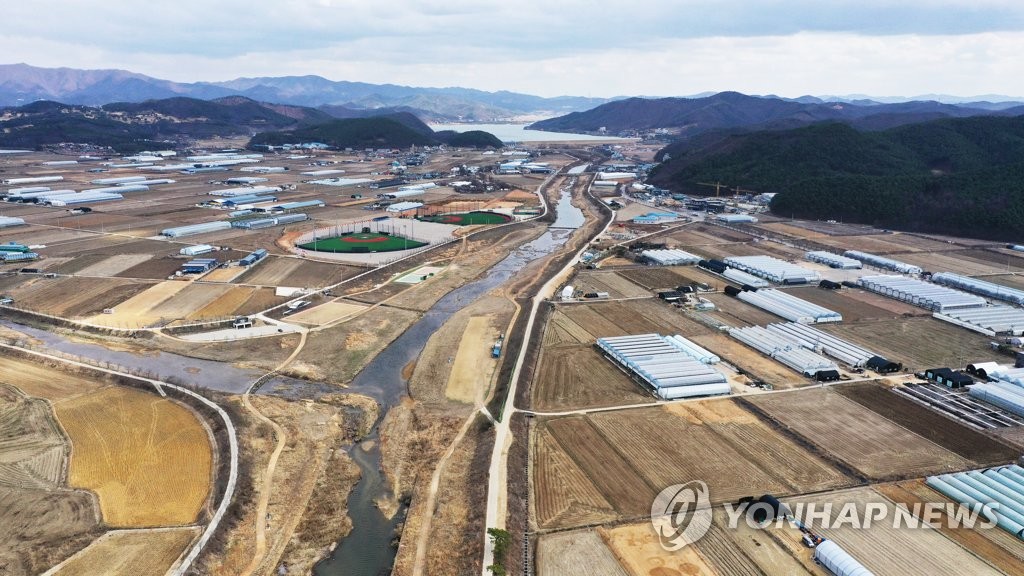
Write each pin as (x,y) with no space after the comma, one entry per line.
(148,458)
(130,553)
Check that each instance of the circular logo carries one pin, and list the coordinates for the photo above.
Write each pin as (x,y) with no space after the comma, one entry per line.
(681,514)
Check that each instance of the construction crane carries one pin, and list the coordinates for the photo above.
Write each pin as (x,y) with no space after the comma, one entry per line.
(738,190)
(717,186)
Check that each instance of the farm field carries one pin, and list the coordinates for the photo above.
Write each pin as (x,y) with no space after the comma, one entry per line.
(996,546)
(893,306)
(1011,280)
(880,244)
(113,265)
(190,299)
(72,297)
(130,553)
(294,272)
(872,445)
(604,281)
(260,300)
(41,381)
(691,236)
(852,309)
(950,434)
(224,274)
(790,229)
(651,448)
(156,268)
(225,304)
(32,451)
(327,312)
(652,278)
(148,459)
(754,364)
(931,242)
(888,551)
(135,312)
(573,377)
(640,552)
(602,319)
(919,343)
(271,271)
(580,553)
(693,274)
(954,262)
(473,366)
(39,527)
(735,312)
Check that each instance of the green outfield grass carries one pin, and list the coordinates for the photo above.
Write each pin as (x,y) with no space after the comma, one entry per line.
(467,218)
(362,242)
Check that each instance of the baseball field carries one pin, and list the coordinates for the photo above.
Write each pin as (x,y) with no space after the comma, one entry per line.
(362,242)
(467,218)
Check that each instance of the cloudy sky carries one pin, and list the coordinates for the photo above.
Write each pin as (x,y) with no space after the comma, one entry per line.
(553,47)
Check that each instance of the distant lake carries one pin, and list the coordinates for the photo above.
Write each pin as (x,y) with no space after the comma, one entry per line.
(519,133)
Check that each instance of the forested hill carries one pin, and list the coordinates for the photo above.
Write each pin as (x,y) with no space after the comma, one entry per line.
(954,176)
(399,130)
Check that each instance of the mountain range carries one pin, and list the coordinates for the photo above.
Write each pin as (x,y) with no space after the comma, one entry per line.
(22,84)
(681,118)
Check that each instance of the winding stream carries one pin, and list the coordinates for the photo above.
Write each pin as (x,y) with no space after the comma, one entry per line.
(367,550)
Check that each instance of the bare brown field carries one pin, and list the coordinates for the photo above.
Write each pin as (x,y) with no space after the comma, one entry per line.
(1008,260)
(31,445)
(852,309)
(156,268)
(1011,280)
(867,442)
(652,278)
(954,262)
(270,272)
(148,459)
(721,251)
(995,546)
(225,304)
(616,480)
(40,381)
(77,263)
(113,265)
(790,229)
(329,312)
(42,527)
(224,274)
(895,307)
(919,343)
(876,244)
(719,232)
(770,554)
(633,317)
(135,312)
(581,553)
(67,296)
(885,550)
(563,495)
(319,274)
(603,281)
(718,442)
(130,553)
(639,551)
(950,434)
(834,228)
(573,377)
(473,365)
(736,312)
(259,301)
(692,274)
(752,363)
(690,236)
(932,242)
(187,301)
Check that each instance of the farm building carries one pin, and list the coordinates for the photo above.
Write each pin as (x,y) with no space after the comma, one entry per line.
(254,257)
(669,257)
(246,191)
(735,218)
(193,229)
(403,206)
(825,343)
(744,278)
(32,180)
(199,265)
(9,221)
(829,285)
(240,200)
(1002,394)
(716,266)
(264,169)
(339,182)
(257,223)
(1003,485)
(773,269)
(296,205)
(13,247)
(882,366)
(838,561)
(988,289)
(120,180)
(919,293)
(987,320)
(784,349)
(1014,376)
(671,366)
(948,377)
(245,180)
(671,295)
(789,307)
(18,256)
(983,369)
(833,260)
(882,262)
(196,250)
(81,198)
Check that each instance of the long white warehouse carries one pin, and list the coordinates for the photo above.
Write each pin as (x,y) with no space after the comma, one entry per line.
(988,289)
(773,269)
(744,278)
(672,366)
(924,294)
(825,343)
(988,320)
(883,262)
(833,260)
(670,257)
(1000,488)
(790,307)
(783,349)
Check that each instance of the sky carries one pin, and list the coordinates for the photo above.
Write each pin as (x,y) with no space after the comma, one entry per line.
(593,48)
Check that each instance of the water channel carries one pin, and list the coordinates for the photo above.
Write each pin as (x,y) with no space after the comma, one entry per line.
(368,550)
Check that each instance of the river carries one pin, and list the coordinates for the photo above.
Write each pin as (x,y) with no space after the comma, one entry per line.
(519,133)
(367,550)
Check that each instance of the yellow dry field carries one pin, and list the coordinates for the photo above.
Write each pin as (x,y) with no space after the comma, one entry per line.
(43,382)
(327,312)
(638,550)
(136,311)
(147,458)
(129,553)
(224,274)
(193,297)
(473,364)
(225,305)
